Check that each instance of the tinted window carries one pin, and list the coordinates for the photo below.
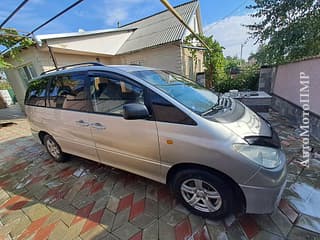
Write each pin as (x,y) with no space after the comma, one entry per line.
(36,93)
(190,94)
(68,92)
(109,92)
(164,111)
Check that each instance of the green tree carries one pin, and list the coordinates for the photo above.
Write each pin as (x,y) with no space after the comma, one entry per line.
(10,37)
(214,61)
(287,30)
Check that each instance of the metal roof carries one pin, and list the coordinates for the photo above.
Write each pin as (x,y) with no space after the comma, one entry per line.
(81,33)
(158,29)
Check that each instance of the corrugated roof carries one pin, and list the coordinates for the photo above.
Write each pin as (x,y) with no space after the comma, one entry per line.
(81,33)
(158,29)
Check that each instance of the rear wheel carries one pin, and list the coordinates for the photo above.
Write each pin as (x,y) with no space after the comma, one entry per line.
(53,148)
(203,193)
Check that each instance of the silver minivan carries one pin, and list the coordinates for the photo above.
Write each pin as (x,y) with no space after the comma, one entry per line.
(215,154)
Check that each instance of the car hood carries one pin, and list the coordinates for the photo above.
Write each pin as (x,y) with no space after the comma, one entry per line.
(242,121)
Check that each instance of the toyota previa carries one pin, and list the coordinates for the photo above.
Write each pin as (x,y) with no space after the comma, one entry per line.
(216,155)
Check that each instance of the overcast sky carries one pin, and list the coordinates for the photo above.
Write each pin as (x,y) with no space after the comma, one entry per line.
(222,19)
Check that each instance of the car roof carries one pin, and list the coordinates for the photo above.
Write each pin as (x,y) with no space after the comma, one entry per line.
(113,68)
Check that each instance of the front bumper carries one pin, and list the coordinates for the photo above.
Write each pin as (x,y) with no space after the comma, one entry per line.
(263,191)
(262,200)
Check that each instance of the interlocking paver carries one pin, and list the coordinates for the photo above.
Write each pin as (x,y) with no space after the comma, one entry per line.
(81,199)
(126,231)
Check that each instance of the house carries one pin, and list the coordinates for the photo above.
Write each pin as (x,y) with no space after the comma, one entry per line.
(154,41)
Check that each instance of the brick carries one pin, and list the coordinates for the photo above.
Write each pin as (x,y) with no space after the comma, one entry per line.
(33,227)
(138,236)
(183,230)
(83,213)
(93,220)
(113,204)
(166,231)
(263,235)
(281,221)
(11,201)
(137,209)
(173,217)
(96,187)
(143,220)
(151,232)
(96,233)
(203,234)
(249,226)
(107,219)
(36,211)
(59,231)
(125,202)
(288,210)
(44,232)
(74,230)
(120,218)
(126,231)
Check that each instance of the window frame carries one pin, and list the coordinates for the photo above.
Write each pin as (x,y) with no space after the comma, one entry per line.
(46,92)
(149,104)
(86,89)
(22,68)
(107,74)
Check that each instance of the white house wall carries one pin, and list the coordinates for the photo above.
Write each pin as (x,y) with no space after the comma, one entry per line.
(106,43)
(27,56)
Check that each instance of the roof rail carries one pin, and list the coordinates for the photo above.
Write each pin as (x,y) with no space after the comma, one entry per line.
(73,65)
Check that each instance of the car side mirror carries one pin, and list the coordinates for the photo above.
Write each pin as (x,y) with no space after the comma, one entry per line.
(133,111)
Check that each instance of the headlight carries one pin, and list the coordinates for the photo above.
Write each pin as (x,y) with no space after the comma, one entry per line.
(264,156)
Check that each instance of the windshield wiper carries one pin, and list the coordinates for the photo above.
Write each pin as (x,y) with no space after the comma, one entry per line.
(215,108)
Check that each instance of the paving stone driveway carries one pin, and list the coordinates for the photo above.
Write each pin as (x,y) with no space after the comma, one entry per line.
(80,199)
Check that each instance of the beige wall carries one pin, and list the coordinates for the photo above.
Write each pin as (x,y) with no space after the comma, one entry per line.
(287,82)
(197,64)
(28,56)
(165,57)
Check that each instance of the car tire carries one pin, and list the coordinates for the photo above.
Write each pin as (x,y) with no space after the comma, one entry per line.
(54,149)
(203,193)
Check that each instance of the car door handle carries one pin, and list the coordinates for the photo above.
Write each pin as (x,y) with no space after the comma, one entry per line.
(83,123)
(98,126)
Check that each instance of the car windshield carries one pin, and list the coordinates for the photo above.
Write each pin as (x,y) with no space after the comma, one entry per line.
(195,97)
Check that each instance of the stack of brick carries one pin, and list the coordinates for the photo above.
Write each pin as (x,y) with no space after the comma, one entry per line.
(3,104)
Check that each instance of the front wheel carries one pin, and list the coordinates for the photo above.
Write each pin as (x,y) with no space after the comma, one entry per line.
(53,148)
(203,193)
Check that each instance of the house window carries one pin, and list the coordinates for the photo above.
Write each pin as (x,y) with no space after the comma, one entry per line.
(26,73)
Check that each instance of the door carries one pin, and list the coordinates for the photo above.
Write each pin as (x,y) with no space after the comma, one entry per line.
(67,115)
(131,145)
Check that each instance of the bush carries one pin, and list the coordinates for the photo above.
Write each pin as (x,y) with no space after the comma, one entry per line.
(5,86)
(247,80)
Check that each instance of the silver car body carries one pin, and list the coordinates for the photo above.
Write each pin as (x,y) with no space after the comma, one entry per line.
(151,149)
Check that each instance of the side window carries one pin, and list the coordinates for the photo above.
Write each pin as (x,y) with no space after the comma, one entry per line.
(68,92)
(109,92)
(164,111)
(36,93)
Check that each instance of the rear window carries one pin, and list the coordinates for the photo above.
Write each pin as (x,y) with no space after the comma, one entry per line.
(36,93)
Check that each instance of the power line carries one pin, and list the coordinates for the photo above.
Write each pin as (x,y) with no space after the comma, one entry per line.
(45,23)
(230,14)
(54,17)
(13,13)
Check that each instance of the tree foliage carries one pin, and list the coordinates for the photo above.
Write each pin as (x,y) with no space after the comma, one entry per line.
(287,30)
(10,37)
(214,61)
